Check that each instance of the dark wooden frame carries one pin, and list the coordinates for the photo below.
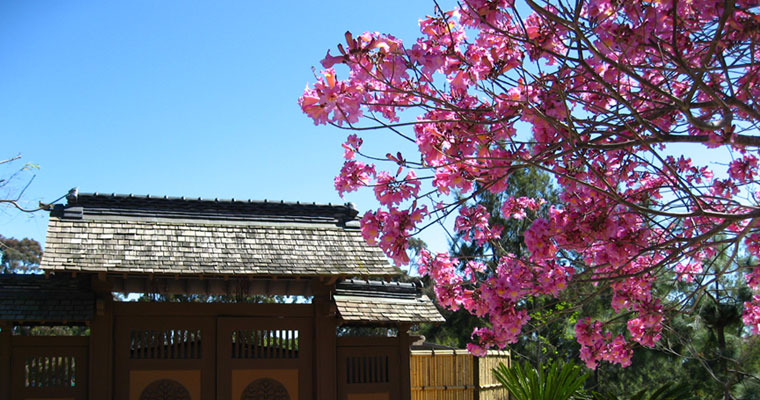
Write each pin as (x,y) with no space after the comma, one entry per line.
(321,353)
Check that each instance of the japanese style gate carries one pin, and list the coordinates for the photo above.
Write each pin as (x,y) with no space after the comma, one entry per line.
(99,245)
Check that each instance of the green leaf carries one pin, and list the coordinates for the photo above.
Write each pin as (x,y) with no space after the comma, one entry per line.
(556,381)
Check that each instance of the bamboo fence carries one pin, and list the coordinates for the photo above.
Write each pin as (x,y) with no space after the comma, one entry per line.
(456,375)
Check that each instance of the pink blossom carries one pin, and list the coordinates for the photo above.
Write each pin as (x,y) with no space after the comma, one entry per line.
(351,146)
(390,191)
(538,240)
(686,271)
(489,89)
(353,175)
(473,223)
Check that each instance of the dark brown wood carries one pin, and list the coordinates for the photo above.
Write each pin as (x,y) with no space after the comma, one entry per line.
(325,324)
(44,366)
(264,344)
(364,341)
(366,365)
(242,339)
(138,309)
(5,360)
(211,349)
(244,286)
(101,343)
(164,343)
(404,343)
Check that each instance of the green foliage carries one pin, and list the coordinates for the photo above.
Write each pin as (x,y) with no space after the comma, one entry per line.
(205,298)
(19,255)
(556,381)
(55,330)
(664,392)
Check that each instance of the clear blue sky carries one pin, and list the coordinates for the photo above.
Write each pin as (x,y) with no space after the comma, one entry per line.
(174,97)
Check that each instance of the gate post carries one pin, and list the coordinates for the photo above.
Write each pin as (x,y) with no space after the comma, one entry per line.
(5,359)
(101,343)
(324,362)
(404,359)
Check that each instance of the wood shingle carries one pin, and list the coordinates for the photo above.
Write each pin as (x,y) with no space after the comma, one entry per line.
(39,299)
(147,235)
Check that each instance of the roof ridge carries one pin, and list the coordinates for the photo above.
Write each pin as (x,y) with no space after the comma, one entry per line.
(209,200)
(84,204)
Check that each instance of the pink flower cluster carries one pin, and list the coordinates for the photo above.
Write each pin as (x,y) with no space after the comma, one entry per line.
(473,223)
(354,175)
(597,345)
(518,207)
(751,314)
(390,191)
(391,229)
(686,271)
(498,296)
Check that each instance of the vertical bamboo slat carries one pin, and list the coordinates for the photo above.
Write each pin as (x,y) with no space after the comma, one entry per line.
(450,375)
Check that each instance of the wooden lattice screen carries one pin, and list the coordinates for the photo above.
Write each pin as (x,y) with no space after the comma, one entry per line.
(45,366)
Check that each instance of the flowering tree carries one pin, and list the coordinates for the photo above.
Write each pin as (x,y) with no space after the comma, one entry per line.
(605,95)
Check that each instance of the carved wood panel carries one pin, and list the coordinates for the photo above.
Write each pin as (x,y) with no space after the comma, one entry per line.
(165,389)
(265,389)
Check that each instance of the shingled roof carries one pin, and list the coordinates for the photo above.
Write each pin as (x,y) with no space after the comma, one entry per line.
(36,298)
(384,303)
(178,236)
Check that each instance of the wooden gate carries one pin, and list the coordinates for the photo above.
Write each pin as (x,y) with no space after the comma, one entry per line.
(49,367)
(212,351)
(368,368)
(164,355)
(264,355)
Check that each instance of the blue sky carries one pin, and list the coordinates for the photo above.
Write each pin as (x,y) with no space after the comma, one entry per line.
(175,97)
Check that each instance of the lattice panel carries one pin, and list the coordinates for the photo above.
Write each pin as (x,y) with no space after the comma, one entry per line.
(253,344)
(50,371)
(169,344)
(367,369)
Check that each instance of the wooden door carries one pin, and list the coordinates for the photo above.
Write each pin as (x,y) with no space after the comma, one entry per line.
(264,357)
(159,356)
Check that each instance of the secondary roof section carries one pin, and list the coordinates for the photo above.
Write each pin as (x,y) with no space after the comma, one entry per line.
(39,299)
(367,302)
(129,234)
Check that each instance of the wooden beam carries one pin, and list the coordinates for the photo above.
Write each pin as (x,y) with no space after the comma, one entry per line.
(213,286)
(325,364)
(404,358)
(101,350)
(5,359)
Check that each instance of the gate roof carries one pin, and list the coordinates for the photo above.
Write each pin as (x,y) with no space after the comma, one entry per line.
(380,303)
(130,234)
(36,298)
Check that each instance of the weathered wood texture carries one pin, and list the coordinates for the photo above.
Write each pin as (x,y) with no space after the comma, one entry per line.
(148,235)
(456,375)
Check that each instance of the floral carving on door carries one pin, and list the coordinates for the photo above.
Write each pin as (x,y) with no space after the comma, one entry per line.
(265,389)
(165,389)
